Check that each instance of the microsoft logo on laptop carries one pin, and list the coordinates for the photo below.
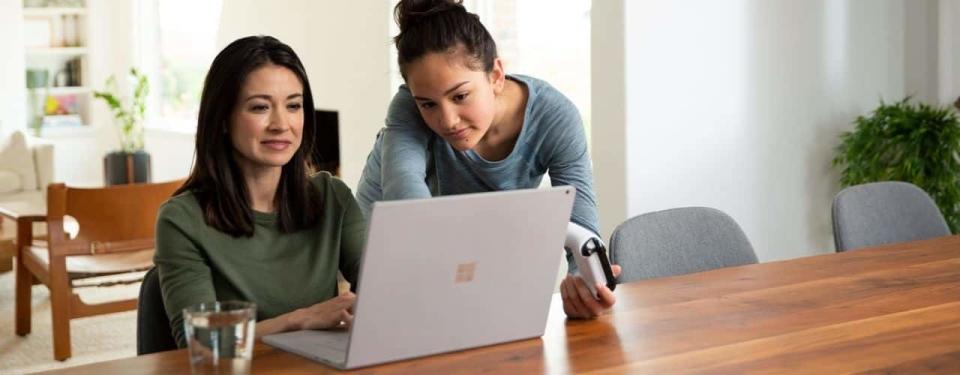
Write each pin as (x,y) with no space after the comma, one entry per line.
(465,272)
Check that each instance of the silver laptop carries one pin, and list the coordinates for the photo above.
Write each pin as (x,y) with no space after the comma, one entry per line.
(446,274)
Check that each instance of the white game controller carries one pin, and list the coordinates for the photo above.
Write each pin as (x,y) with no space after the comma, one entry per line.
(591,257)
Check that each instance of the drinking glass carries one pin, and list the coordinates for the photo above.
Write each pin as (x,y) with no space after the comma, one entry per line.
(220,336)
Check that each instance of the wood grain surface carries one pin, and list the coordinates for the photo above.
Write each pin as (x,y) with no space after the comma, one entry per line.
(889,309)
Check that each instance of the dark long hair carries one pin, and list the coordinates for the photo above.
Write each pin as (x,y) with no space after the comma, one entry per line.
(428,26)
(216,179)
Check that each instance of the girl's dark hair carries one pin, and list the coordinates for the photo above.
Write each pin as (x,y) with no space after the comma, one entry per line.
(439,26)
(216,179)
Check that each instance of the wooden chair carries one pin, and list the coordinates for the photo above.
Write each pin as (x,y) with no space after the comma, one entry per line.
(116,236)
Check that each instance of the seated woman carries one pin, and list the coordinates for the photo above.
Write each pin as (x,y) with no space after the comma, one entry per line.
(462,125)
(250,223)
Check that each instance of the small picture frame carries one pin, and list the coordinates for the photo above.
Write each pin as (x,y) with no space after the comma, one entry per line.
(37,32)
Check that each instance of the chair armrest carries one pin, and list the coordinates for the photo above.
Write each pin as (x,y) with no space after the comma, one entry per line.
(25,231)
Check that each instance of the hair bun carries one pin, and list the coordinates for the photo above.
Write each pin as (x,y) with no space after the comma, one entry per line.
(411,12)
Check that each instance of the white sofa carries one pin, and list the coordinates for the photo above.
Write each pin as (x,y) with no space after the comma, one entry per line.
(26,168)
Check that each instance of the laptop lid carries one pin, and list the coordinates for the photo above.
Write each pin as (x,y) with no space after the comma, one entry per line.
(457,272)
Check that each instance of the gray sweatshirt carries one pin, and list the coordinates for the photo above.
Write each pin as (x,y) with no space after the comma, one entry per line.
(410,161)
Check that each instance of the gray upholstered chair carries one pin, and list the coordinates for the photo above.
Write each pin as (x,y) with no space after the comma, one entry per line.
(884,212)
(678,241)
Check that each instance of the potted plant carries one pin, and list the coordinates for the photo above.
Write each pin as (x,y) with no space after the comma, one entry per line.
(130,164)
(903,141)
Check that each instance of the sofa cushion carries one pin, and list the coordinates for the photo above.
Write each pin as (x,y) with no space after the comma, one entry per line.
(9,182)
(16,157)
(43,161)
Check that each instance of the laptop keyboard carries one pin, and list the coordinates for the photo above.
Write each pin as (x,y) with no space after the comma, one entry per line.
(330,346)
(326,346)
(336,342)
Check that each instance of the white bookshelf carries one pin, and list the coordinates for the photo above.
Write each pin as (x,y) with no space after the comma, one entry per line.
(53,11)
(56,51)
(67,132)
(57,62)
(64,90)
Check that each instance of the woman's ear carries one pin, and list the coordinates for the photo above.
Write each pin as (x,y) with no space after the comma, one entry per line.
(497,76)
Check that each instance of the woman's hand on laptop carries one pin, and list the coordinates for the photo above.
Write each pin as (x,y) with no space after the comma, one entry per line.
(332,313)
(578,301)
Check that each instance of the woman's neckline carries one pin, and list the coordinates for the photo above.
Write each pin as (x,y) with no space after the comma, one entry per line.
(523,112)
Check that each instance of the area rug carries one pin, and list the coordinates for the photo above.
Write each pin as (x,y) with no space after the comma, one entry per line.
(94,339)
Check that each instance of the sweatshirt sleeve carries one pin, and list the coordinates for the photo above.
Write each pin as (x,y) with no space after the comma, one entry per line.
(404,155)
(185,277)
(568,163)
(352,235)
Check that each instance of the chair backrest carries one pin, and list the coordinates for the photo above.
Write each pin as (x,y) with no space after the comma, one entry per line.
(678,241)
(153,328)
(108,214)
(884,212)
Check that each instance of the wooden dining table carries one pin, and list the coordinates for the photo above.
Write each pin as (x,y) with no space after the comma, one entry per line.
(887,309)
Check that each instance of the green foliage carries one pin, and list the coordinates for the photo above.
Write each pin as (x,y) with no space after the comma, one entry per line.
(916,143)
(130,117)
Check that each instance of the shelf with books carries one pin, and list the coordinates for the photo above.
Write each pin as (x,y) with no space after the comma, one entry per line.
(62,121)
(52,109)
(56,51)
(65,90)
(53,11)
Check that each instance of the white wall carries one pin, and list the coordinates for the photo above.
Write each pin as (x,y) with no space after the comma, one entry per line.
(949,50)
(345,48)
(738,105)
(111,45)
(171,153)
(920,53)
(608,138)
(12,74)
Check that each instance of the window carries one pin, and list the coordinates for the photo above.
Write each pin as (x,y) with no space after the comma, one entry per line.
(178,42)
(546,39)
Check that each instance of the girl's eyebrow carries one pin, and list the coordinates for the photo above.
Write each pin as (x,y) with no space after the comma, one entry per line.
(452,89)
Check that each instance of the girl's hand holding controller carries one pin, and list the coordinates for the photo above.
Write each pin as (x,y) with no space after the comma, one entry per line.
(579,301)
(590,291)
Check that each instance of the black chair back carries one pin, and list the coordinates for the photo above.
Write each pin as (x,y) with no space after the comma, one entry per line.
(153,327)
